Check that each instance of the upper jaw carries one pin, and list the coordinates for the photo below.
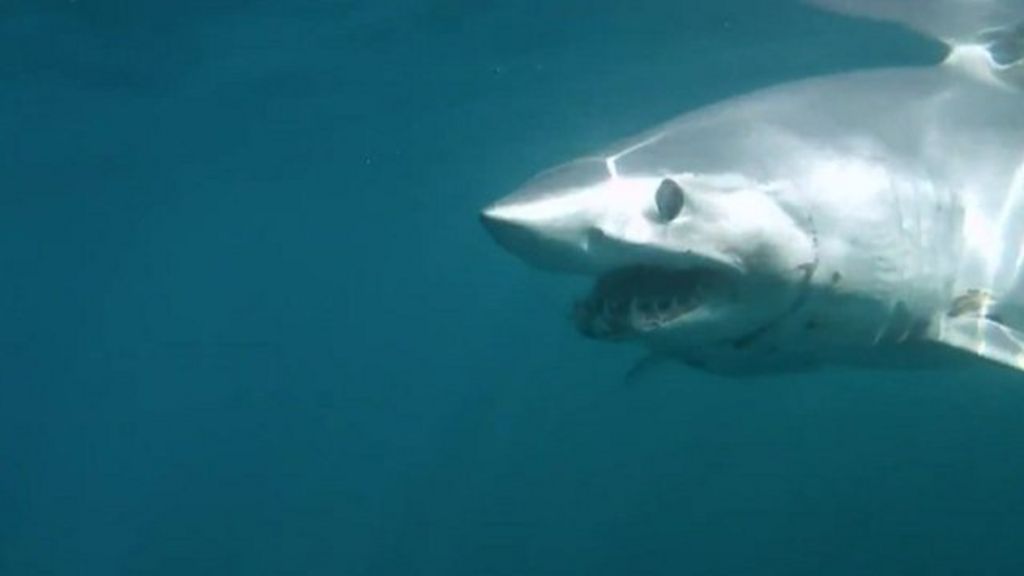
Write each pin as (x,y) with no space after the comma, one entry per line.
(572,243)
(638,300)
(569,221)
(640,288)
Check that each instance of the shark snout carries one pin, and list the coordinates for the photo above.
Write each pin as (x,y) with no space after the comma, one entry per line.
(545,240)
(557,220)
(511,233)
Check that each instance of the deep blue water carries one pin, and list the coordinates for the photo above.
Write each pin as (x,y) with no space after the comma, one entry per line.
(249,323)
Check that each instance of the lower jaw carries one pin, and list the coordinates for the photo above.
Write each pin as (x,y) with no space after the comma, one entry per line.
(634,301)
(610,324)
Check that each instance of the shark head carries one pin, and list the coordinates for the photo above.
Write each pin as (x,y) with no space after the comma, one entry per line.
(678,260)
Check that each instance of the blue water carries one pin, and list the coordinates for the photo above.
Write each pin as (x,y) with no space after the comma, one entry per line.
(249,323)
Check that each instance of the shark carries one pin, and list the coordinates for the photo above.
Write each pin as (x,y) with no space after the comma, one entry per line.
(870,219)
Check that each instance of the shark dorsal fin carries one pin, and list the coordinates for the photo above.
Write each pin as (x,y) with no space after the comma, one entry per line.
(985,37)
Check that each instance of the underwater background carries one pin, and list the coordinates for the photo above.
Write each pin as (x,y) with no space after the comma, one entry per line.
(249,322)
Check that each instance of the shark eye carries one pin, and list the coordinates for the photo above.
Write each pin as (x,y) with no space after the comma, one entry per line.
(668,199)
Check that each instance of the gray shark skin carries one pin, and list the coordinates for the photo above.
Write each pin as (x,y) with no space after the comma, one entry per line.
(872,219)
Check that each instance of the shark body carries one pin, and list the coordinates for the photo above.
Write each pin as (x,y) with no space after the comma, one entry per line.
(872,219)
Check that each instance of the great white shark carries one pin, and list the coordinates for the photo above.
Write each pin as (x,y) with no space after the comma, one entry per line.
(871,219)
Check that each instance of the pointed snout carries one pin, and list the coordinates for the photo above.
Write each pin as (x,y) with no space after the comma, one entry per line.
(501,225)
(510,223)
(504,227)
(553,220)
(545,240)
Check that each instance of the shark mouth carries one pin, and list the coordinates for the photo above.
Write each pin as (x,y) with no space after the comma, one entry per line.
(641,299)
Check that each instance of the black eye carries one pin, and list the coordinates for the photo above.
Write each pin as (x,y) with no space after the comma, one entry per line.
(668,199)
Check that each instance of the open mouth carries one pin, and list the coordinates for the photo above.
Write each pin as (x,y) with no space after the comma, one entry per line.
(639,299)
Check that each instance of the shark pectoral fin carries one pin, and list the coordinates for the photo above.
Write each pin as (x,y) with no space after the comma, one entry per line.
(981,335)
(645,367)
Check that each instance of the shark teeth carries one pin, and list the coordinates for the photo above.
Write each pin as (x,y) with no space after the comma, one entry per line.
(639,299)
(610,317)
